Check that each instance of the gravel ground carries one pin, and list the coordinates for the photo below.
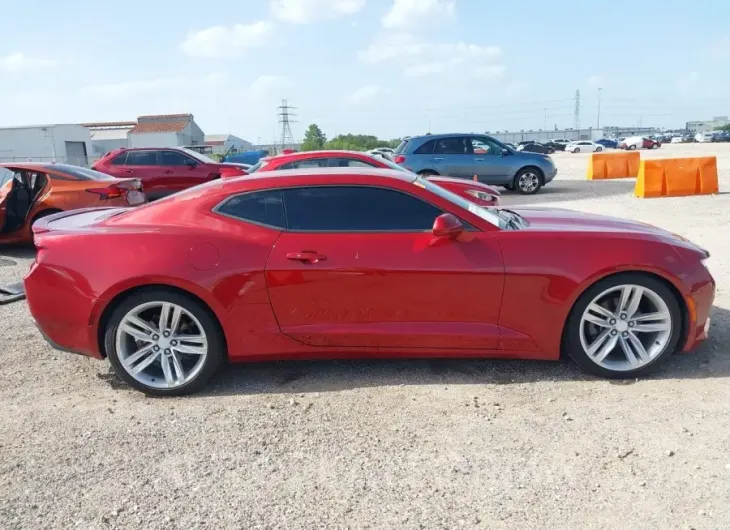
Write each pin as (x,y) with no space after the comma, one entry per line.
(412,444)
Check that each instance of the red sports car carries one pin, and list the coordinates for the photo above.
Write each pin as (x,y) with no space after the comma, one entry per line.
(474,191)
(301,265)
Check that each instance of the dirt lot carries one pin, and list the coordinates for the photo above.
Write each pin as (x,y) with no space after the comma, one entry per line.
(396,445)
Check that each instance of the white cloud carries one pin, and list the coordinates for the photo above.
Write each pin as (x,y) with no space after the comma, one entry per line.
(268,85)
(367,93)
(417,13)
(720,48)
(19,61)
(304,11)
(420,58)
(222,41)
(595,81)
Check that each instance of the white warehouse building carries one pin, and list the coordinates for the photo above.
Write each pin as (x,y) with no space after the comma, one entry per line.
(63,143)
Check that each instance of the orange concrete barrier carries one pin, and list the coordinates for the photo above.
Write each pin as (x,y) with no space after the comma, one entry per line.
(621,165)
(677,177)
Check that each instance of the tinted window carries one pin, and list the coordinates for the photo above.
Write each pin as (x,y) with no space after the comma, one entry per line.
(141,158)
(120,159)
(356,209)
(173,158)
(350,162)
(484,145)
(401,147)
(5,176)
(303,164)
(453,146)
(261,207)
(426,149)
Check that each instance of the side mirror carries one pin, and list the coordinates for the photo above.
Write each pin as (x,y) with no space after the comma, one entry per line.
(447,225)
(505,152)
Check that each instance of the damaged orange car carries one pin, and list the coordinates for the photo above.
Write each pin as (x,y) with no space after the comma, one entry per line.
(31,190)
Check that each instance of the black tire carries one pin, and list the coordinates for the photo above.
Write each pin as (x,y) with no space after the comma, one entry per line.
(576,150)
(428,173)
(216,342)
(518,182)
(44,213)
(571,338)
(632,147)
(551,151)
(599,149)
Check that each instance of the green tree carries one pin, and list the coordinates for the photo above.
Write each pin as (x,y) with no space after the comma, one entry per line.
(723,128)
(314,138)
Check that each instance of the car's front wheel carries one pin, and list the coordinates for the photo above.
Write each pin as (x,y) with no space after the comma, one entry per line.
(528,181)
(623,326)
(164,343)
(576,150)
(632,147)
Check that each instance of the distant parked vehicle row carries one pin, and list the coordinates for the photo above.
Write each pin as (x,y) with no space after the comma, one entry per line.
(584,146)
(639,142)
(535,147)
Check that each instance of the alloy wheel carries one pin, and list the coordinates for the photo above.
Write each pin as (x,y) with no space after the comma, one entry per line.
(161,345)
(528,182)
(625,327)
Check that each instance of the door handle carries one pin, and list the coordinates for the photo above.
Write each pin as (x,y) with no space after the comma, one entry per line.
(438,159)
(306,256)
(168,172)
(130,171)
(479,160)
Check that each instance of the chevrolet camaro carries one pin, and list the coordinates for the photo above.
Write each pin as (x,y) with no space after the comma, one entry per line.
(358,263)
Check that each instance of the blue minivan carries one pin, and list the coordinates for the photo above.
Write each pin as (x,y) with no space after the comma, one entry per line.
(469,155)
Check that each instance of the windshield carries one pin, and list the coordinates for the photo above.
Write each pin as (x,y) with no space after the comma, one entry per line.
(198,156)
(484,213)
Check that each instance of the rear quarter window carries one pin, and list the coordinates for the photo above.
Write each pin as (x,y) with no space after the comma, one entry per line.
(426,149)
(401,147)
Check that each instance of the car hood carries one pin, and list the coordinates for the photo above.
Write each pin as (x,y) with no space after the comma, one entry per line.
(560,220)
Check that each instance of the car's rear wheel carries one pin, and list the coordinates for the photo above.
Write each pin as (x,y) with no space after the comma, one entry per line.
(164,343)
(599,149)
(576,150)
(528,181)
(632,147)
(624,326)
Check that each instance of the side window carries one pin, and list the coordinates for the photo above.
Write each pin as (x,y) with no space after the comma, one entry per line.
(426,149)
(141,158)
(485,146)
(120,159)
(453,146)
(260,207)
(5,176)
(356,209)
(349,162)
(304,164)
(173,158)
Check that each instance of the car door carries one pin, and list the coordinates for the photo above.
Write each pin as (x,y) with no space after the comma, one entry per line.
(358,266)
(454,157)
(180,171)
(6,185)
(490,167)
(144,164)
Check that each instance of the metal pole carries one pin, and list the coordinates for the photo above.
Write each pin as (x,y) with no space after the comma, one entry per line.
(544,127)
(598,119)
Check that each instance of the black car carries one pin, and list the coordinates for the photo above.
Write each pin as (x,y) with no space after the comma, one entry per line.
(555,146)
(534,147)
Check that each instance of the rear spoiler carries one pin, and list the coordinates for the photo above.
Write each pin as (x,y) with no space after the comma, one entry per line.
(41,226)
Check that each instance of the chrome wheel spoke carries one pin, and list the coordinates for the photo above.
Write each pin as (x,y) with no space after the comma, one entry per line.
(598,315)
(604,348)
(142,352)
(177,365)
(175,322)
(138,328)
(164,317)
(190,350)
(638,348)
(145,364)
(166,370)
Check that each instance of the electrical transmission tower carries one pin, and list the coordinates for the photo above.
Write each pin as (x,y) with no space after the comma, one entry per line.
(576,112)
(285,119)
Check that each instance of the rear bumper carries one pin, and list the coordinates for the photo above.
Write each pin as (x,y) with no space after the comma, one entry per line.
(61,313)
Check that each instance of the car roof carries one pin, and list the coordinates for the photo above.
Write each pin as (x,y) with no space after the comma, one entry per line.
(319,152)
(403,176)
(445,135)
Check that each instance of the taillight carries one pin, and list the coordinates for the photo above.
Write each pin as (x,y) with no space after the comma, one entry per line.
(111,192)
(399,159)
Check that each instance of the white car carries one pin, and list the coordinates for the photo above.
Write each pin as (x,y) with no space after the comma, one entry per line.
(386,152)
(677,140)
(704,137)
(584,146)
(632,142)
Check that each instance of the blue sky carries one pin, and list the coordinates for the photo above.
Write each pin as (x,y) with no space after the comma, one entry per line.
(384,67)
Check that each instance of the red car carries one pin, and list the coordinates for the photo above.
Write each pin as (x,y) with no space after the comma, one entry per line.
(301,265)
(164,170)
(474,191)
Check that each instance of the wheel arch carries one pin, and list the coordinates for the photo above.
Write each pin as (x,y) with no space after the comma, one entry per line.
(681,301)
(107,310)
(540,173)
